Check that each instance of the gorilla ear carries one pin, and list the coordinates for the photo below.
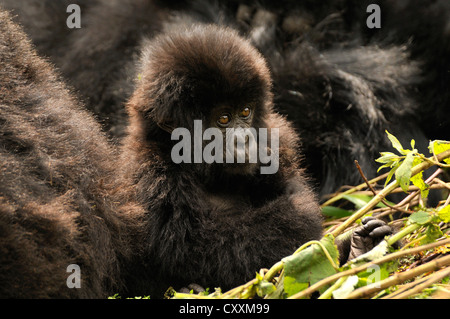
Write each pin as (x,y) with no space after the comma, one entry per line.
(147,115)
(137,105)
(167,126)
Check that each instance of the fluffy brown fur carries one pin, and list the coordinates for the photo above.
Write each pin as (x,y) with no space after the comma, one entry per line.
(55,189)
(97,59)
(205,225)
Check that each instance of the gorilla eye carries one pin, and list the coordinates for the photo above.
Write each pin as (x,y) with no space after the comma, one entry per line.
(224,120)
(245,112)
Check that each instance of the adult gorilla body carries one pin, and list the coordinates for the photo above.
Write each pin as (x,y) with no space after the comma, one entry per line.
(56,207)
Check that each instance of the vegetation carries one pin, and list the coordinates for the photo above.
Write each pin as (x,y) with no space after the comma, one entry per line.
(419,268)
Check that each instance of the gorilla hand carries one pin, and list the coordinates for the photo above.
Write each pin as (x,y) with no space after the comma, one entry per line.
(196,289)
(366,237)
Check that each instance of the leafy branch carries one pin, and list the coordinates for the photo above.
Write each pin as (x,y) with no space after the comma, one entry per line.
(313,268)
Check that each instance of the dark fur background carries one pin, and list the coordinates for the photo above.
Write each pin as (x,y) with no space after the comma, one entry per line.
(56,207)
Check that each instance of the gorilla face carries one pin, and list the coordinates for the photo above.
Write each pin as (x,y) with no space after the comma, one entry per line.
(201,74)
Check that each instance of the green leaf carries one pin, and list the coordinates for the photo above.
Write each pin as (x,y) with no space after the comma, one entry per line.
(374,274)
(391,173)
(310,265)
(403,172)
(432,233)
(292,286)
(383,166)
(361,200)
(358,200)
(264,288)
(396,144)
(439,147)
(387,157)
(347,287)
(420,218)
(335,212)
(418,181)
(444,214)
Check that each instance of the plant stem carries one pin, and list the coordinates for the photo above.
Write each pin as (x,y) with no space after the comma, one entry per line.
(365,209)
(353,189)
(328,293)
(273,271)
(441,274)
(375,193)
(382,194)
(400,277)
(405,231)
(404,288)
(236,291)
(358,269)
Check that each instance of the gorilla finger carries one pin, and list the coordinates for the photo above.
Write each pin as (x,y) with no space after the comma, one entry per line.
(381,231)
(196,288)
(371,225)
(184,290)
(367,219)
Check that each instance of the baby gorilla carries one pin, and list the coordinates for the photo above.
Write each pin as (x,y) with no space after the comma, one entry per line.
(213,224)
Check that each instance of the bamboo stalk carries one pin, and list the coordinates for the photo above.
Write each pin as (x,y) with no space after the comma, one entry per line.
(358,269)
(353,189)
(383,193)
(400,277)
(404,288)
(425,283)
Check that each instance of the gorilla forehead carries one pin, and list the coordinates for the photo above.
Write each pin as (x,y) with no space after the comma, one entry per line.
(206,65)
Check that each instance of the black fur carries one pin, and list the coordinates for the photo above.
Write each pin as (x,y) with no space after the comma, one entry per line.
(144,223)
(425,27)
(65,200)
(342,100)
